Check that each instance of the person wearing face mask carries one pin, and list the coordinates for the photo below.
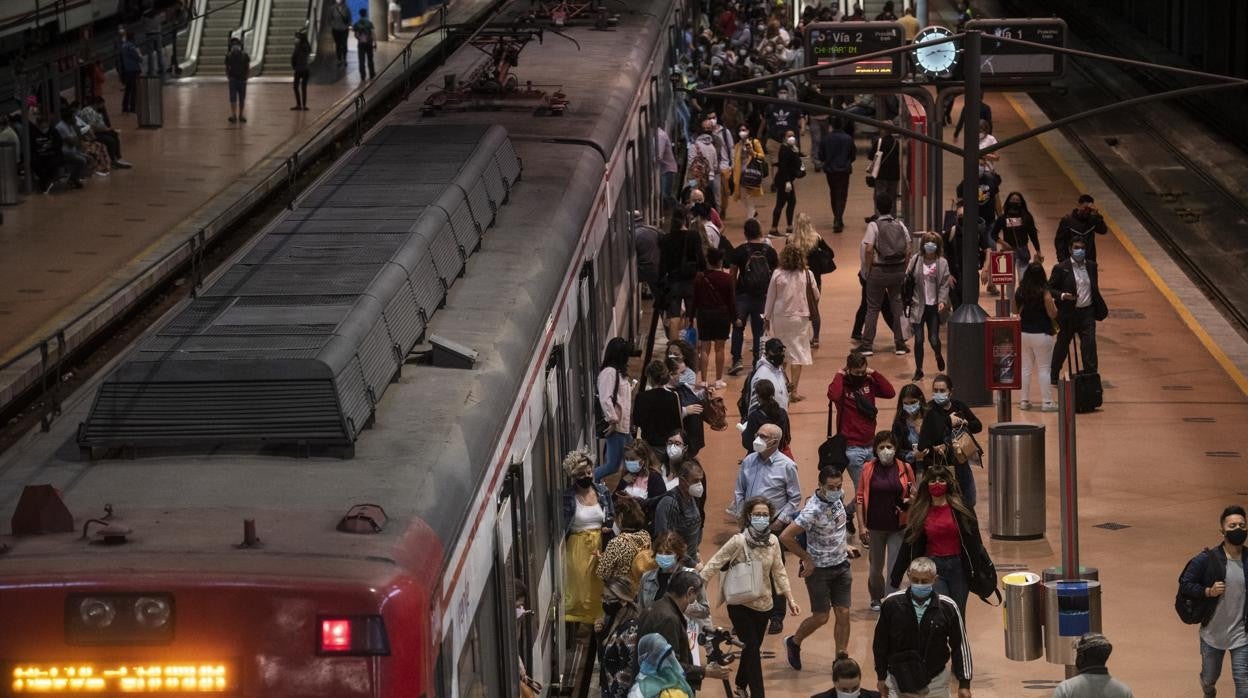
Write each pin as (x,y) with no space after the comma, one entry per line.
(944,417)
(621,577)
(670,557)
(771,475)
(679,510)
(747,148)
(847,681)
(1075,285)
(929,304)
(690,398)
(750,619)
(852,393)
(659,674)
(887,486)
(766,411)
(780,119)
(1093,680)
(641,474)
(1036,311)
(1216,576)
(702,164)
(589,513)
(824,563)
(789,169)
(920,641)
(837,152)
(941,526)
(657,411)
(792,300)
(770,367)
(952,235)
(724,149)
(907,422)
(614,397)
(667,618)
(1086,222)
(1015,229)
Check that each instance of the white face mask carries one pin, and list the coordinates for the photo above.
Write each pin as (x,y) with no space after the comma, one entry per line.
(848,694)
(675,451)
(886,455)
(697,490)
(760,444)
(743,134)
(791,140)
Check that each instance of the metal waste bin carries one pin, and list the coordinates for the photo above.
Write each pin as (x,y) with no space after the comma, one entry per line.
(9,181)
(151,102)
(1072,608)
(1016,481)
(1024,636)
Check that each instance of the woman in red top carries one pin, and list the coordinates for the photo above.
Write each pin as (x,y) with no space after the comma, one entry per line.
(943,528)
(715,298)
(887,486)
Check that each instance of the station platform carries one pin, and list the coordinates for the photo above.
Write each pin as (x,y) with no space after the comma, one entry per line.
(1157,464)
(68,251)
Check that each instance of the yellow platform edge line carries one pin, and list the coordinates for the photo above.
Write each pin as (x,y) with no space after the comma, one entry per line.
(1149,271)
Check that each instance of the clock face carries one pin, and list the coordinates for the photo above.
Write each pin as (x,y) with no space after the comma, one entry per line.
(935,60)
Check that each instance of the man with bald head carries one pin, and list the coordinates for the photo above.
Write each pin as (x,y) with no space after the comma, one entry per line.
(769,474)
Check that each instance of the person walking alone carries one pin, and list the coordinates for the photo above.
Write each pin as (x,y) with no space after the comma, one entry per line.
(1037,312)
(340,27)
(131,65)
(885,250)
(929,305)
(237,70)
(820,259)
(789,169)
(365,44)
(792,301)
(1218,575)
(836,152)
(299,58)
(1075,284)
(887,487)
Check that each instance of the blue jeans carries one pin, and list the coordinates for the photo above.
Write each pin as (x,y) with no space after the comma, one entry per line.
(667,180)
(951,580)
(613,453)
(751,309)
(966,482)
(856,455)
(1211,669)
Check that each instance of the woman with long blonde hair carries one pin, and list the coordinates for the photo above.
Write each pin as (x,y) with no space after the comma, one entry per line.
(819,259)
(787,312)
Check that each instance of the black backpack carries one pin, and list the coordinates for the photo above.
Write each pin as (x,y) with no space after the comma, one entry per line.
(1198,610)
(743,402)
(757,273)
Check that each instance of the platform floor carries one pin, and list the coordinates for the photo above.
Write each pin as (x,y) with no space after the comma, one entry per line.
(65,250)
(1172,397)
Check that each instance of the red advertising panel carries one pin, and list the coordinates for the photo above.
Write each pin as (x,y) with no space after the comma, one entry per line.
(1004,353)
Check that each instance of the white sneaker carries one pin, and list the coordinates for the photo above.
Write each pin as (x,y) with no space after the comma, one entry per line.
(101,174)
(1024,404)
(1049,407)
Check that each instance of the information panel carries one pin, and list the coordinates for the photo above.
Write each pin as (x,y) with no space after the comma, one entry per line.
(834,41)
(1002,62)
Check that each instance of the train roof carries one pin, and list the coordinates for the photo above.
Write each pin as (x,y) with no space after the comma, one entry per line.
(437,431)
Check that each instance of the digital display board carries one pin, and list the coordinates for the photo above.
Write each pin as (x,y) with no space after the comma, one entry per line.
(834,41)
(1003,62)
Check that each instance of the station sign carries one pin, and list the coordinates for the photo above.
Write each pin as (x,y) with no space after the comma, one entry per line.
(1001,267)
(1004,63)
(834,41)
(1003,351)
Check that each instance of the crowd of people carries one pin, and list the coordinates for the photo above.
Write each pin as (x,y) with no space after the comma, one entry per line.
(905,489)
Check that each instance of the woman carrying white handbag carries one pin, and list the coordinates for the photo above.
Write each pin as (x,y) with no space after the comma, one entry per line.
(752,566)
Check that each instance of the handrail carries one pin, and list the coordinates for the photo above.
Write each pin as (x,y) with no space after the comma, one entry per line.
(260,39)
(312,23)
(195,33)
(248,23)
(52,348)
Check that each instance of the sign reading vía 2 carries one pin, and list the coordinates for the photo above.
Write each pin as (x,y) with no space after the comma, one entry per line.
(834,41)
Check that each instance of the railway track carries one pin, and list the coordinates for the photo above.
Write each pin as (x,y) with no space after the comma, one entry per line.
(1190,212)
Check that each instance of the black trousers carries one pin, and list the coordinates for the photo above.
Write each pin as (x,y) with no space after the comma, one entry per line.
(750,627)
(301,88)
(860,317)
(130,84)
(1083,324)
(786,201)
(366,55)
(838,192)
(340,45)
(111,142)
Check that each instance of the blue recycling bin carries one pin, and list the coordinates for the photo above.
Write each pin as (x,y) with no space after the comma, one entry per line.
(1072,609)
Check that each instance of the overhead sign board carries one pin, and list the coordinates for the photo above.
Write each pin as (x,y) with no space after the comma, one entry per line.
(1003,62)
(834,41)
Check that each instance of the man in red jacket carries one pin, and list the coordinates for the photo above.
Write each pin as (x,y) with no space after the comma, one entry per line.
(853,392)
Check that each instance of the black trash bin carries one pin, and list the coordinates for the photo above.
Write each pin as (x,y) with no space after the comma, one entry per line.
(151,102)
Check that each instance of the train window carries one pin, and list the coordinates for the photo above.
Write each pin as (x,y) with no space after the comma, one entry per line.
(483,650)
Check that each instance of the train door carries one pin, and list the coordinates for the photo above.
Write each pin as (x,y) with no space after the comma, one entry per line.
(547,459)
(509,565)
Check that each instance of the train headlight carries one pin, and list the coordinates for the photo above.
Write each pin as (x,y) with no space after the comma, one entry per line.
(152,612)
(96,614)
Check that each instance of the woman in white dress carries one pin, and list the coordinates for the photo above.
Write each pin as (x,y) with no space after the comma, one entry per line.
(787,313)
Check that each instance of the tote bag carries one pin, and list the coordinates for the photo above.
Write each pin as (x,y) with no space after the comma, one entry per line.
(744,582)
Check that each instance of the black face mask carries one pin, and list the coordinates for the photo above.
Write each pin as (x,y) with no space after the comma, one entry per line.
(585,482)
(1014,207)
(1236,536)
(776,359)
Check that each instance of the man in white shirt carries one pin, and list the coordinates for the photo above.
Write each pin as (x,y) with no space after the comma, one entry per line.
(770,367)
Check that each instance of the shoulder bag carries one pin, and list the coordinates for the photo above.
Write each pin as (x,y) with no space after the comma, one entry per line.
(965,447)
(744,581)
(812,298)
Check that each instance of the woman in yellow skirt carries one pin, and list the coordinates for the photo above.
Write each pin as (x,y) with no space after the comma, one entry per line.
(590,517)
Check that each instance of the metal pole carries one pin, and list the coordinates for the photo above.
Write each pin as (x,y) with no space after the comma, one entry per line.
(1068,481)
(29,178)
(967,354)
(1004,400)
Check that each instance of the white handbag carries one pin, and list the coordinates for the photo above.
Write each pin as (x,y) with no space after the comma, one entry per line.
(744,581)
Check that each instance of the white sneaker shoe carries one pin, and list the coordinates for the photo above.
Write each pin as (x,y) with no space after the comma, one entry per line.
(1024,404)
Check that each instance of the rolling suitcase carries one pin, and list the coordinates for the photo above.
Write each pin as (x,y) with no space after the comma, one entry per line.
(1089,394)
